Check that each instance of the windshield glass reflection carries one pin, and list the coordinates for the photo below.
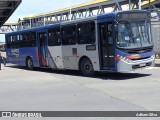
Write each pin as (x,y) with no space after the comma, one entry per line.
(134,35)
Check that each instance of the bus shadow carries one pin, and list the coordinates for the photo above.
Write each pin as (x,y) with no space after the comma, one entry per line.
(120,76)
(98,75)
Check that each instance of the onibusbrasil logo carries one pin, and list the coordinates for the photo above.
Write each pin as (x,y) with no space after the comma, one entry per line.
(21,114)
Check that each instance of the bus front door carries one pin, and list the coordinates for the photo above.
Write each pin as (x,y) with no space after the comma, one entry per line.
(42,40)
(106,46)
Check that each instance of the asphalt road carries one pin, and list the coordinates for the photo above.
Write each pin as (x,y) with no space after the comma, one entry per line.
(48,90)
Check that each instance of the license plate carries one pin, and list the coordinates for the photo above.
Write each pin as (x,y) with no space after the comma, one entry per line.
(142,65)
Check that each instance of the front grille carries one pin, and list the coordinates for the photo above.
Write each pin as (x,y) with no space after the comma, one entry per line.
(141,65)
(140,58)
(140,51)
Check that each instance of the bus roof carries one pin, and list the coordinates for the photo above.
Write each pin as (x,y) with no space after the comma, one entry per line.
(101,16)
(34,29)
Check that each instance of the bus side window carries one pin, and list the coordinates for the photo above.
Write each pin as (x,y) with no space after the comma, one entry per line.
(110,34)
(11,42)
(24,40)
(54,37)
(17,41)
(68,35)
(20,40)
(86,33)
(8,41)
(42,39)
(31,39)
(14,40)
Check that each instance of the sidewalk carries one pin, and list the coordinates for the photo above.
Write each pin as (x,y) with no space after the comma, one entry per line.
(157,62)
(2,67)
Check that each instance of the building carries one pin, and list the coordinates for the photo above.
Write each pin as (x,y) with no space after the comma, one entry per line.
(7,7)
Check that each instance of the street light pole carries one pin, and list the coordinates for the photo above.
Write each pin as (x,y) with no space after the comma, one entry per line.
(70,11)
(70,14)
(129,4)
(150,5)
(140,4)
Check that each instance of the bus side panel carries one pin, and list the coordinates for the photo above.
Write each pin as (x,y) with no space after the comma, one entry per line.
(13,56)
(55,59)
(19,55)
(69,53)
(29,52)
(93,55)
(73,53)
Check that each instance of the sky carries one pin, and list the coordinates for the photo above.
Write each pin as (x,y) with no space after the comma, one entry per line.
(28,7)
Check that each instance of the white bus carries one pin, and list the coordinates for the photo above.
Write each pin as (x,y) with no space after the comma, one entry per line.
(117,41)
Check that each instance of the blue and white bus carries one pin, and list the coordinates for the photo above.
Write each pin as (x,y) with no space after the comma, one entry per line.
(117,41)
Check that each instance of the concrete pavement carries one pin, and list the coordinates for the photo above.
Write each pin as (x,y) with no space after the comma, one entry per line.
(47,90)
(157,60)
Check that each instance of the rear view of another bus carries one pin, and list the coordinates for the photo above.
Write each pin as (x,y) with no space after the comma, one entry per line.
(134,46)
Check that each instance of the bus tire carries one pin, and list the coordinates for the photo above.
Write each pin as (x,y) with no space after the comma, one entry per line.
(29,63)
(86,67)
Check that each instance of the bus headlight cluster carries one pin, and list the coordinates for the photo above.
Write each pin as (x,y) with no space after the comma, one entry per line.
(125,58)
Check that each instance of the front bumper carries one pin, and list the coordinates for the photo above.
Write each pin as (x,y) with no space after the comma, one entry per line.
(123,65)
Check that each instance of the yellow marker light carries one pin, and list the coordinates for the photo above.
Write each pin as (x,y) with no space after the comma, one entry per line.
(132,57)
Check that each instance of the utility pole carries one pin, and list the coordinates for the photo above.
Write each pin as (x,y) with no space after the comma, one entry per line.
(129,4)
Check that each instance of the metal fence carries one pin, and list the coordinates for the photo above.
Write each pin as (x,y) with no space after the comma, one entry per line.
(156,36)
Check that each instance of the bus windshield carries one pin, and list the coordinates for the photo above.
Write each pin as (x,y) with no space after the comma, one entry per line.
(134,34)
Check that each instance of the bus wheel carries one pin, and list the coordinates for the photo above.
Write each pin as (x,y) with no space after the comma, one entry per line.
(29,64)
(86,67)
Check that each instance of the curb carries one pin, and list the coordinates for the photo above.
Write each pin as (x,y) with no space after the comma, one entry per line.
(157,62)
(157,65)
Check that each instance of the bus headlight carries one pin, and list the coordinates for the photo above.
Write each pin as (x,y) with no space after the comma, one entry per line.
(125,58)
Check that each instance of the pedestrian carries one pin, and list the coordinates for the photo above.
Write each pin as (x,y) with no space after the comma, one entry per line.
(4,60)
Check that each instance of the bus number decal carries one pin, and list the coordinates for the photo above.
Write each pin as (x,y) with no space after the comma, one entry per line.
(90,47)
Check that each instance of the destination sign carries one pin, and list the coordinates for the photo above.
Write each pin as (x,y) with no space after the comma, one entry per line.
(132,16)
